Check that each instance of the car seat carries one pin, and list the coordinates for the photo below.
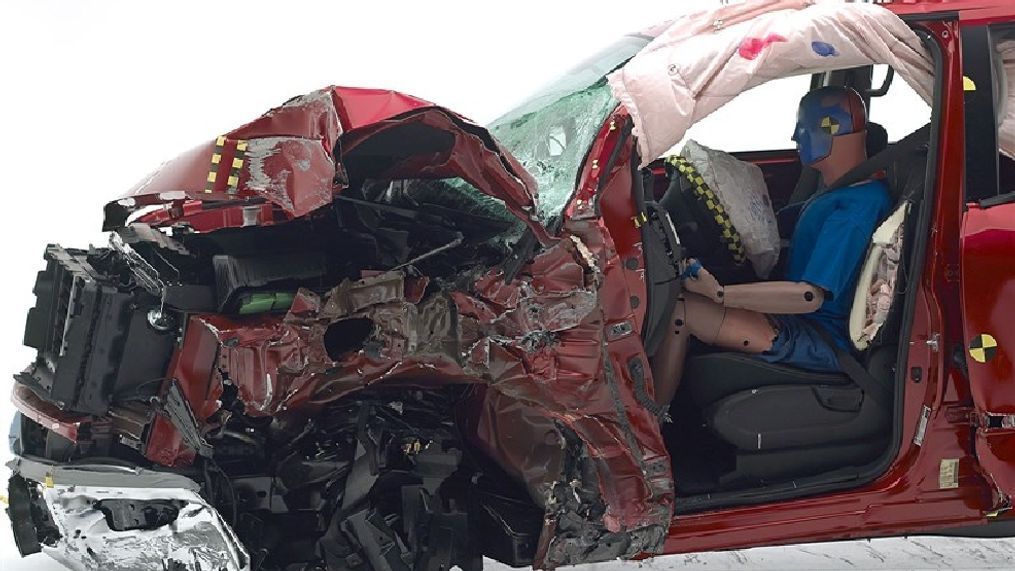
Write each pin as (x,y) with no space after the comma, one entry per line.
(784,422)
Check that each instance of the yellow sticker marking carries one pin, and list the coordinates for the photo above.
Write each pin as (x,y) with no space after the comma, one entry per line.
(216,160)
(983,348)
(968,84)
(234,172)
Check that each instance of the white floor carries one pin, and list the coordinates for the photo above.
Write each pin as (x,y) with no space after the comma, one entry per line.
(910,554)
(896,554)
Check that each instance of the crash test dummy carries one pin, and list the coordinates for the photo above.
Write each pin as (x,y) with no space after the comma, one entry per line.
(792,321)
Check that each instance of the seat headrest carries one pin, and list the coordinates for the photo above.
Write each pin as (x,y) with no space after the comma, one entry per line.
(877,138)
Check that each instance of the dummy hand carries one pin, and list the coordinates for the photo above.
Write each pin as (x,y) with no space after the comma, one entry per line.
(700,281)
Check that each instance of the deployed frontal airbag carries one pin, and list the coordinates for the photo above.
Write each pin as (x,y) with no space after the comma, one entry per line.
(742,191)
(704,60)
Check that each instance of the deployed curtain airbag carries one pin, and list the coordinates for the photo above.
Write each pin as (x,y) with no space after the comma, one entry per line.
(704,60)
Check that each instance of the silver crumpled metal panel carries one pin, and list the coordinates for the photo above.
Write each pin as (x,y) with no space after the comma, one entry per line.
(199,539)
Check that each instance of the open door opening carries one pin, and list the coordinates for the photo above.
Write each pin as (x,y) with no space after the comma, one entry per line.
(745,431)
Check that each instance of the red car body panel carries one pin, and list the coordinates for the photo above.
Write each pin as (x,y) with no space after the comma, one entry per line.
(988,287)
(61,422)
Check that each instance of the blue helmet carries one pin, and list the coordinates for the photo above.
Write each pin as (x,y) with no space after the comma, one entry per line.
(826,113)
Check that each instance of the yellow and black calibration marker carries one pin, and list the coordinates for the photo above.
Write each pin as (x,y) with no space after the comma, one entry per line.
(983,348)
(226,162)
(830,125)
(729,234)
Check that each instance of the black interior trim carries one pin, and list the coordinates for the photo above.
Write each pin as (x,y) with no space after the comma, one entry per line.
(982,168)
(853,477)
(885,86)
(998,200)
(934,17)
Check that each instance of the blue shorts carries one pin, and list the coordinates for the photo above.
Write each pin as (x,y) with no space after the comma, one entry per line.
(799,344)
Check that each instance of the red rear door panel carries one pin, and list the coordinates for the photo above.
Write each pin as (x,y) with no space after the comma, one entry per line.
(988,307)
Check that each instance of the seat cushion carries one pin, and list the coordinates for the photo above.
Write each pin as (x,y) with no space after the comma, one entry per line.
(714,376)
(792,416)
(758,468)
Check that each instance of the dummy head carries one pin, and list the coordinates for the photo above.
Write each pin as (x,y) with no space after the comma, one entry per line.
(831,130)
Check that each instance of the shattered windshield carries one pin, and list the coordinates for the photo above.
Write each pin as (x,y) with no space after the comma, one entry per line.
(550,132)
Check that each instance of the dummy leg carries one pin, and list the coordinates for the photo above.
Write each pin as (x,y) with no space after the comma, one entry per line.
(668,362)
(733,329)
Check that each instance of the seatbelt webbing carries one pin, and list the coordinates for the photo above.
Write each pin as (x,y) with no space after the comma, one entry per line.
(874,389)
(882,160)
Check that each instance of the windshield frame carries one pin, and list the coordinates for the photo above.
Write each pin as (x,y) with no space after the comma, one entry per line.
(588,77)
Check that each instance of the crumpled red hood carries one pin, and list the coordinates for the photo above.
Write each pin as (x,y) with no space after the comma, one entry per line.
(296,157)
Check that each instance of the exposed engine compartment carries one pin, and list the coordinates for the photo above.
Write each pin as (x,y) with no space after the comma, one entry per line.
(351,344)
(294,489)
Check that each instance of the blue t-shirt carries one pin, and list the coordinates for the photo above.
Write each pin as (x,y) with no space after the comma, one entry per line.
(828,247)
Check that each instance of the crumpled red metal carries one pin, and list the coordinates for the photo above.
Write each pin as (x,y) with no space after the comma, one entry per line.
(291,161)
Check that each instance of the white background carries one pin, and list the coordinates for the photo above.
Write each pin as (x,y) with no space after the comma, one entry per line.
(95,94)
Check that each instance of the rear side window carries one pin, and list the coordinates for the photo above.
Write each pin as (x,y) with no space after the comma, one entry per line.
(761,119)
(900,110)
(988,57)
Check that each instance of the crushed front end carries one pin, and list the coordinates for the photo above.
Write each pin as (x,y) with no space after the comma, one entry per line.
(334,338)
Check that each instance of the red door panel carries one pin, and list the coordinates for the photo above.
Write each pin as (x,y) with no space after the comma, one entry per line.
(988,308)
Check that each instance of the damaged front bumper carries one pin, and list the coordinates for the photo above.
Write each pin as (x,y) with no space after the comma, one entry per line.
(116,518)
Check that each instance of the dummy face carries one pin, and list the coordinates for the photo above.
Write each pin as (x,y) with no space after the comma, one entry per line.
(825,114)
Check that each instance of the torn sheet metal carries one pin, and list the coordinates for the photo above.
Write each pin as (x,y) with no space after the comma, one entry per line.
(539,343)
(704,60)
(98,474)
(192,367)
(296,157)
(66,424)
(198,538)
(564,415)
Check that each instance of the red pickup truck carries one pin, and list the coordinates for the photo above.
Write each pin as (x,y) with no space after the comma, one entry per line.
(364,332)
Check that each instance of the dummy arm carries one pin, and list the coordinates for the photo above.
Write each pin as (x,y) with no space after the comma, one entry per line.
(764,297)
